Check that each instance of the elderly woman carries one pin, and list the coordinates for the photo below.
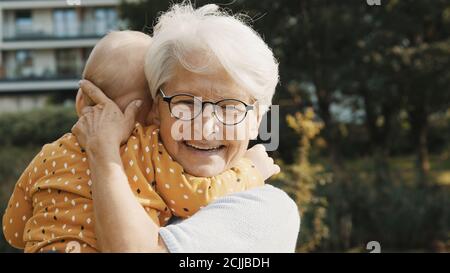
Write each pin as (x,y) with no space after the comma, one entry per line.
(212,60)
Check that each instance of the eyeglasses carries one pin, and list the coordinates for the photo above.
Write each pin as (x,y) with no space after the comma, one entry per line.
(187,107)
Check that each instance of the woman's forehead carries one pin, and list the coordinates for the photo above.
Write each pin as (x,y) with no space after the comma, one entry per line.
(213,86)
(214,93)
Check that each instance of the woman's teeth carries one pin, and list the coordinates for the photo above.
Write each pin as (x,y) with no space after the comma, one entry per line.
(204,148)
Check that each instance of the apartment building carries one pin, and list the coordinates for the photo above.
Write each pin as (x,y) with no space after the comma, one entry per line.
(44,45)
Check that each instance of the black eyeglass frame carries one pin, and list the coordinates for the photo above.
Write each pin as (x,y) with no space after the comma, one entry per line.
(168,99)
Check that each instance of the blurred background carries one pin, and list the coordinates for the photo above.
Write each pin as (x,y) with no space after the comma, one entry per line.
(364,101)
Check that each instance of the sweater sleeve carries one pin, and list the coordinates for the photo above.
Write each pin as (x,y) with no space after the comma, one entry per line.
(259,220)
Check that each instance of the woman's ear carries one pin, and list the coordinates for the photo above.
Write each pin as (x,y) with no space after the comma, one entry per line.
(79,102)
(153,114)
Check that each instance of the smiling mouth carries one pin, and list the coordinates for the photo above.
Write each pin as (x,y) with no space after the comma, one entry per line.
(204,148)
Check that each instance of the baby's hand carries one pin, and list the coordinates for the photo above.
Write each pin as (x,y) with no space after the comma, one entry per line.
(258,155)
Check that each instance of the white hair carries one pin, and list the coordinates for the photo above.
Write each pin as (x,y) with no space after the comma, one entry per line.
(221,39)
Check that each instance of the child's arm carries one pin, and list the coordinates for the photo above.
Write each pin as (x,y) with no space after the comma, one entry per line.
(262,161)
(19,209)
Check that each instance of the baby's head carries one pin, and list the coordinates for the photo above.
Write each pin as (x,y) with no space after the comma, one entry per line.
(116,66)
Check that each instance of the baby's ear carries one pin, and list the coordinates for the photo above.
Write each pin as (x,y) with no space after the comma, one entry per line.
(153,114)
(79,102)
(82,101)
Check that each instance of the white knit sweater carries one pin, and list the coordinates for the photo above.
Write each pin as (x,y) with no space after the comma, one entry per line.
(260,220)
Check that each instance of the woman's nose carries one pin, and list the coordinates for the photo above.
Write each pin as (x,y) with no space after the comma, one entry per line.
(210,123)
(208,111)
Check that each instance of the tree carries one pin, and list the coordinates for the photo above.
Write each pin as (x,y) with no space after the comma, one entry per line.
(419,58)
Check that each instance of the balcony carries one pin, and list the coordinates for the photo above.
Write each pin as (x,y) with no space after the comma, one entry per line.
(78,38)
(75,42)
(28,77)
(55,27)
(38,84)
(30,4)
(44,32)
(60,34)
(82,33)
(41,71)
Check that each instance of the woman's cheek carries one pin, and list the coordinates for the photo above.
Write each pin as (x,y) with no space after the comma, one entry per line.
(252,123)
(241,131)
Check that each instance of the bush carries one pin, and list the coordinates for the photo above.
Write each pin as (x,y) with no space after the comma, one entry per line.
(344,208)
(400,216)
(302,179)
(37,126)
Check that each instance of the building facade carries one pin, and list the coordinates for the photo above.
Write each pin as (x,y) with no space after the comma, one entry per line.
(45,44)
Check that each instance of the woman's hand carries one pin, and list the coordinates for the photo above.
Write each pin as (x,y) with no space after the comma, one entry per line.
(101,130)
(104,123)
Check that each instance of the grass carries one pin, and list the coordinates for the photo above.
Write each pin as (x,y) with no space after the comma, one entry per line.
(403,167)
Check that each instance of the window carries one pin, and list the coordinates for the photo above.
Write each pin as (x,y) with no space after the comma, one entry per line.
(68,63)
(24,22)
(105,20)
(2,68)
(24,64)
(66,23)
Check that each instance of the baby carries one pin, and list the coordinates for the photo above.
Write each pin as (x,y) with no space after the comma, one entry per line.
(51,206)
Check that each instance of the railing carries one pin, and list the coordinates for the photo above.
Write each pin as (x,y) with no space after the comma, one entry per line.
(31,0)
(87,30)
(64,1)
(12,4)
(45,78)
(45,37)
(41,84)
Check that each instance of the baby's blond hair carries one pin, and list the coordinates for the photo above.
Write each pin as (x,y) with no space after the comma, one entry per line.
(116,64)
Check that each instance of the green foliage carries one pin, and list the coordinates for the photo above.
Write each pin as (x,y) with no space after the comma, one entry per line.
(36,127)
(402,216)
(302,179)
